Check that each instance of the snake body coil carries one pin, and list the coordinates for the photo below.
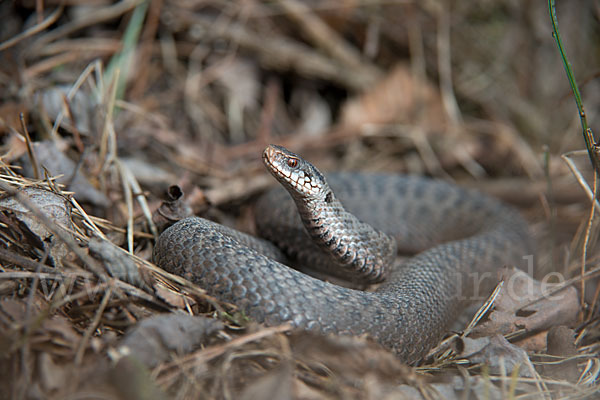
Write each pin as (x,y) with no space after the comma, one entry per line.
(461,238)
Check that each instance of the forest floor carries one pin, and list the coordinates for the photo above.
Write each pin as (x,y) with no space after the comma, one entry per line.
(116,117)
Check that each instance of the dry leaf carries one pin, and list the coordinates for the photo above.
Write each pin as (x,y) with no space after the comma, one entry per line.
(353,357)
(82,108)
(172,297)
(9,117)
(497,353)
(398,98)
(512,311)
(561,342)
(172,209)
(478,388)
(118,263)
(25,227)
(533,342)
(56,162)
(152,340)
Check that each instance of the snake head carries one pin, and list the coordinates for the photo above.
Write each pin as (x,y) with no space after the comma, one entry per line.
(298,176)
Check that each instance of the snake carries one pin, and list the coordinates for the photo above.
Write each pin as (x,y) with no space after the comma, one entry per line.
(354,226)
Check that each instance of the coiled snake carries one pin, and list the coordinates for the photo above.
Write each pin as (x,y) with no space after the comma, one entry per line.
(460,238)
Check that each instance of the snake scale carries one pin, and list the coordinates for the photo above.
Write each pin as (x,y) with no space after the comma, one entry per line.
(458,238)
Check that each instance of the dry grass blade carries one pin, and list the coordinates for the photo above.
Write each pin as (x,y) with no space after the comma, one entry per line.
(92,67)
(90,329)
(328,39)
(579,176)
(30,152)
(49,20)
(104,14)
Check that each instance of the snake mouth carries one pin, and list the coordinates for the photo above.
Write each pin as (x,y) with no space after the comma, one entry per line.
(268,157)
(276,160)
(298,176)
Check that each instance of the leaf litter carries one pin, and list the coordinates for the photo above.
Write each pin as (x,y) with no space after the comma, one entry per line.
(83,309)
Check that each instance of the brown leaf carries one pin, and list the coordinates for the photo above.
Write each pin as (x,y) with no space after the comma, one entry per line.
(561,342)
(497,353)
(57,208)
(171,297)
(397,98)
(513,311)
(533,343)
(9,116)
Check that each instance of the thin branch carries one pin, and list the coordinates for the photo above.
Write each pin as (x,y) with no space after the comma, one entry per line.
(592,146)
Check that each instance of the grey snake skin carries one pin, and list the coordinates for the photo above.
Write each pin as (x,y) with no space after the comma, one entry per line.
(460,238)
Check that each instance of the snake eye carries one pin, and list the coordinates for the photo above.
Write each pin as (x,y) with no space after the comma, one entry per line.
(292,162)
